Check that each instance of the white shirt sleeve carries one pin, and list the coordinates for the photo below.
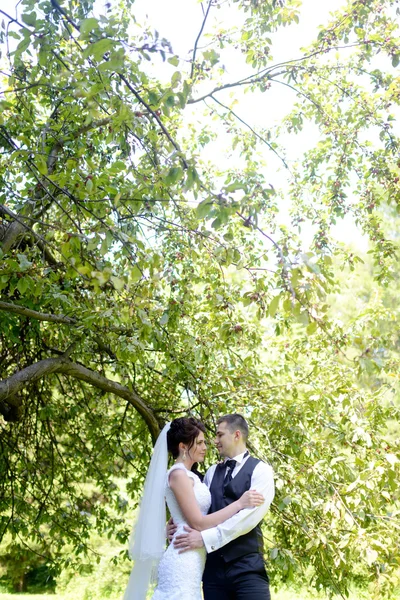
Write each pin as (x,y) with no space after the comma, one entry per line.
(245,520)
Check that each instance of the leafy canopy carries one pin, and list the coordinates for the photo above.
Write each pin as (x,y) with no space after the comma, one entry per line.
(140,280)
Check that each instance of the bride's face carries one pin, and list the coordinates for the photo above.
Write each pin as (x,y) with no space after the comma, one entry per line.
(199,448)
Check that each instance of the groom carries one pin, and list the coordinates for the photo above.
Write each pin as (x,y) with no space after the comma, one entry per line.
(235,565)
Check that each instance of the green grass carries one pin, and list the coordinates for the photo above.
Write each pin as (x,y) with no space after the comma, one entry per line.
(278,595)
(30,597)
(81,590)
(285,595)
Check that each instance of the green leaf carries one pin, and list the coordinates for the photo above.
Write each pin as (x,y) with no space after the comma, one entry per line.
(143,317)
(303,317)
(101,276)
(191,178)
(24,263)
(41,165)
(153,98)
(98,49)
(311,328)
(176,78)
(23,284)
(174,175)
(23,45)
(115,64)
(169,100)
(211,56)
(164,319)
(43,56)
(204,208)
(117,282)
(29,18)
(174,60)
(285,502)
(118,165)
(395,60)
(88,25)
(237,185)
(287,305)
(181,99)
(135,274)
(4,105)
(273,553)
(217,223)
(273,307)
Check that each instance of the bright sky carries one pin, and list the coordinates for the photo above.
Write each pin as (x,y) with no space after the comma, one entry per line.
(179,21)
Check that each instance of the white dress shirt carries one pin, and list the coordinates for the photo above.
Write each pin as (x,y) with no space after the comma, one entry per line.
(262,480)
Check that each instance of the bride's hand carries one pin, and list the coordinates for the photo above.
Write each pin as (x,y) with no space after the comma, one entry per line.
(250,499)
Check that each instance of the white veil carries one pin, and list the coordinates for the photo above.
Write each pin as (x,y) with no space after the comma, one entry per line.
(147,541)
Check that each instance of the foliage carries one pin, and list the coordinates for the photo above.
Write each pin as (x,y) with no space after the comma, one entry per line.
(22,568)
(139,281)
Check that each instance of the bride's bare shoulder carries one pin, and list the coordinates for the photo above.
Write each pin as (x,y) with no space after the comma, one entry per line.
(179,476)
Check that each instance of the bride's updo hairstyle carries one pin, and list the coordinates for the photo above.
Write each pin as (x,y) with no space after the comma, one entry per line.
(184,430)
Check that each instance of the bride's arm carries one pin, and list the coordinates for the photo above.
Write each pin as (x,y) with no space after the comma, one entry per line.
(182,486)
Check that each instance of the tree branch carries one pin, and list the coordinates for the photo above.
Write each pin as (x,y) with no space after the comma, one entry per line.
(62,11)
(57,7)
(9,235)
(198,37)
(267,73)
(156,117)
(27,312)
(52,158)
(257,135)
(10,387)
(285,263)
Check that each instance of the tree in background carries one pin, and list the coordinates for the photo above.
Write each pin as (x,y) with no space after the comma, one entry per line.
(22,569)
(139,280)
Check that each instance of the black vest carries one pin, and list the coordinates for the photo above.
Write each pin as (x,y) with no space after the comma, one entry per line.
(253,540)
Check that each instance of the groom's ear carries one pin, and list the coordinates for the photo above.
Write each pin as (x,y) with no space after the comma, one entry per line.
(238,434)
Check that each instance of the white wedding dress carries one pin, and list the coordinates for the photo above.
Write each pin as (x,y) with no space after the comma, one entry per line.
(179,575)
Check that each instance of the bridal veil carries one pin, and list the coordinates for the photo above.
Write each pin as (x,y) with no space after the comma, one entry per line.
(147,541)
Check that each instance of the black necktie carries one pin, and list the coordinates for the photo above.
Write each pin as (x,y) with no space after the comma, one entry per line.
(230,465)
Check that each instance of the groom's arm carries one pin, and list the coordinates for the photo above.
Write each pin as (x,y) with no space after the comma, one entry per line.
(245,520)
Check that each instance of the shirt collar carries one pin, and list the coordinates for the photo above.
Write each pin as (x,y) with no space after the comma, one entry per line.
(239,458)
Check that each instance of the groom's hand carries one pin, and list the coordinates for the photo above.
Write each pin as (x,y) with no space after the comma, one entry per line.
(171,529)
(188,541)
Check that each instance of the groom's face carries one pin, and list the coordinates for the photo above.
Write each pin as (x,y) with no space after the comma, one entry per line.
(225,441)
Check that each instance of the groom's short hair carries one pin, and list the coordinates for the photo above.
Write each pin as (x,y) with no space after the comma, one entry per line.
(234,422)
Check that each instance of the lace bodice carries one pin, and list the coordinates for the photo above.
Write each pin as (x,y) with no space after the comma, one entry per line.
(179,575)
(201,493)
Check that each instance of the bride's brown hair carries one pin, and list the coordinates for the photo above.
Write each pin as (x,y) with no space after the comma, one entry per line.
(184,430)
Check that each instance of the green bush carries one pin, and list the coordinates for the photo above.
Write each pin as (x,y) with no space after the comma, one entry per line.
(102,576)
(24,569)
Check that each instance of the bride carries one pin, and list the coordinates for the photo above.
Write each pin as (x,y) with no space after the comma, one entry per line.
(188,499)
